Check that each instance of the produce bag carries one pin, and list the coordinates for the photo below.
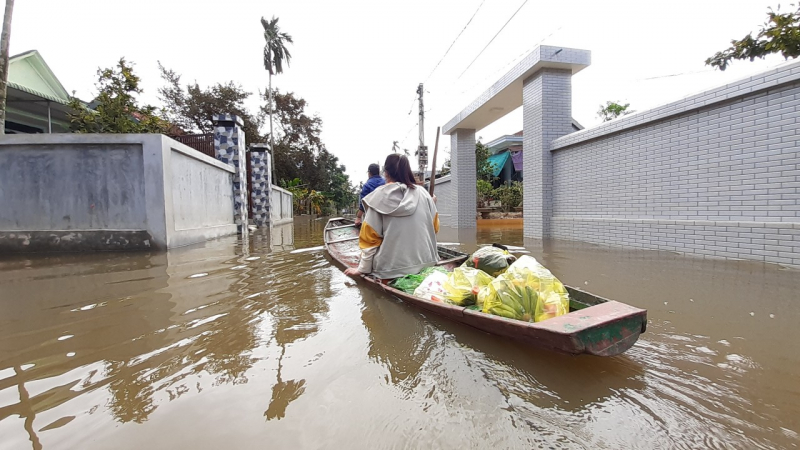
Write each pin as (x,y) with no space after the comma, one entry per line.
(409,283)
(492,260)
(511,298)
(432,288)
(527,291)
(463,285)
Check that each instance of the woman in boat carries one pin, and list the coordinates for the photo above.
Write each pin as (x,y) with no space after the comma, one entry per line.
(398,234)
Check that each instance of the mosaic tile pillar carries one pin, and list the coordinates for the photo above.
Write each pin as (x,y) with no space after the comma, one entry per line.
(229,146)
(260,183)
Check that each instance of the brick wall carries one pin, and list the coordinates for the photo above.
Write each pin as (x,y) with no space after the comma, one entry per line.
(463,196)
(716,175)
(547,115)
(444,201)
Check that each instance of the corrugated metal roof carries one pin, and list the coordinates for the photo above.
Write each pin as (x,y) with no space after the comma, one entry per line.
(36,93)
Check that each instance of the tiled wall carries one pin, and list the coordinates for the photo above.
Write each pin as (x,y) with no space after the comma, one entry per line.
(229,145)
(716,174)
(260,185)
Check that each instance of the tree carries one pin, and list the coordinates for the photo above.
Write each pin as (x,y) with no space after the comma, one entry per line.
(5,39)
(301,154)
(510,196)
(193,108)
(116,109)
(485,171)
(275,52)
(445,168)
(612,110)
(779,34)
(395,148)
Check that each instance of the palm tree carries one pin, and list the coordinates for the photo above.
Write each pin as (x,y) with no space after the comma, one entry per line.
(275,52)
(4,40)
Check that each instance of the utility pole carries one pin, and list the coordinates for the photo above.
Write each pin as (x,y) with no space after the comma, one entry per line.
(422,151)
(5,37)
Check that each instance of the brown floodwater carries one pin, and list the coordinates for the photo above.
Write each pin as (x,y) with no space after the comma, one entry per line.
(254,345)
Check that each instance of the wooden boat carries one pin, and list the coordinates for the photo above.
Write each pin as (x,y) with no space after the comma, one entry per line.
(594,325)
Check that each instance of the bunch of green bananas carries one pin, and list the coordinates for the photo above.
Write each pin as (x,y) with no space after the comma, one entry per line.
(513,299)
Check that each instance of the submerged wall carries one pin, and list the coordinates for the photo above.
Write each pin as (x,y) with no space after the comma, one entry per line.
(74,192)
(716,175)
(280,206)
(443,189)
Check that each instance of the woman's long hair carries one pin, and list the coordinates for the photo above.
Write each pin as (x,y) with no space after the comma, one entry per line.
(399,169)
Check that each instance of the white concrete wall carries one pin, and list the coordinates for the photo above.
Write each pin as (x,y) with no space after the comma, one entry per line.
(202,198)
(444,201)
(280,206)
(72,192)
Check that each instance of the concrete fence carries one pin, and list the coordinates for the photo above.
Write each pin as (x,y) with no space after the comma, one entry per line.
(63,192)
(281,206)
(714,175)
(444,200)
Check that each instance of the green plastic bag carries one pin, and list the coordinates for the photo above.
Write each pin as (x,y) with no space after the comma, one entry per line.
(409,283)
(492,260)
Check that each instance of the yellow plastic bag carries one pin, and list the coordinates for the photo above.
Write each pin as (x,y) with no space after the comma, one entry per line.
(463,285)
(509,297)
(527,291)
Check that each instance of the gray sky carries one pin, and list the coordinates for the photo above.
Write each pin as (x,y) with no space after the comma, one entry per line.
(358,62)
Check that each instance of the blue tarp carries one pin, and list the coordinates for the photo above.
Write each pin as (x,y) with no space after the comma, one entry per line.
(498,161)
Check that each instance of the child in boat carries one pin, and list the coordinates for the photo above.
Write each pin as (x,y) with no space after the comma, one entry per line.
(398,234)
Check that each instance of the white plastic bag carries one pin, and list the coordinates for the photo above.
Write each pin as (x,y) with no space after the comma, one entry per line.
(432,287)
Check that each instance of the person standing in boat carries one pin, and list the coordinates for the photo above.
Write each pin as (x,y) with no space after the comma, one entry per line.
(398,234)
(374,182)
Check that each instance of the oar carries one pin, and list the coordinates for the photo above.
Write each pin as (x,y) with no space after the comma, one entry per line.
(433,169)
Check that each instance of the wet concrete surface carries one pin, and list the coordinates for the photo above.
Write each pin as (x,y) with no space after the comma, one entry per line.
(255,344)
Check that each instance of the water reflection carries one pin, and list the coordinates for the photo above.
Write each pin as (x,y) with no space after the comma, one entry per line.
(236,342)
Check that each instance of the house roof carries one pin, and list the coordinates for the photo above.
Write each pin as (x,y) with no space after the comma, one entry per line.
(28,72)
(511,140)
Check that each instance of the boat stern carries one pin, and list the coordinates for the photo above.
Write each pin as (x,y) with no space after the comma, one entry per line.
(606,329)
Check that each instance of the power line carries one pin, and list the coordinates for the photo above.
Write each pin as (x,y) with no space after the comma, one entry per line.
(490,42)
(411,108)
(454,41)
(676,74)
(512,61)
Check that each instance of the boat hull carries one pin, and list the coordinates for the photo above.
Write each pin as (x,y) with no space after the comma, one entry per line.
(595,325)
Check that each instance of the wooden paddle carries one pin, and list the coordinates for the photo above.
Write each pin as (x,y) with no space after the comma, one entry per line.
(433,167)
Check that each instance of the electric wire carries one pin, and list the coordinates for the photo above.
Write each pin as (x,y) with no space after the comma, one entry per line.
(454,41)
(493,37)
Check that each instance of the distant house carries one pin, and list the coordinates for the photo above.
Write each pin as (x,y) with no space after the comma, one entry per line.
(506,156)
(36,100)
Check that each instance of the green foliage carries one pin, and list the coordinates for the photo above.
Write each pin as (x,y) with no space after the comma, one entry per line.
(275,51)
(116,110)
(510,196)
(446,168)
(779,34)
(485,192)
(484,168)
(612,110)
(193,108)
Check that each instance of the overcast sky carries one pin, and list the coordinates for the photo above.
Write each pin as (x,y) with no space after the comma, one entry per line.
(358,63)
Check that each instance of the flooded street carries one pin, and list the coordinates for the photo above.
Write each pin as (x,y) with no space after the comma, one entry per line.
(261,346)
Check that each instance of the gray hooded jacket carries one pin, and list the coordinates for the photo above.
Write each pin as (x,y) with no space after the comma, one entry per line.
(398,234)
